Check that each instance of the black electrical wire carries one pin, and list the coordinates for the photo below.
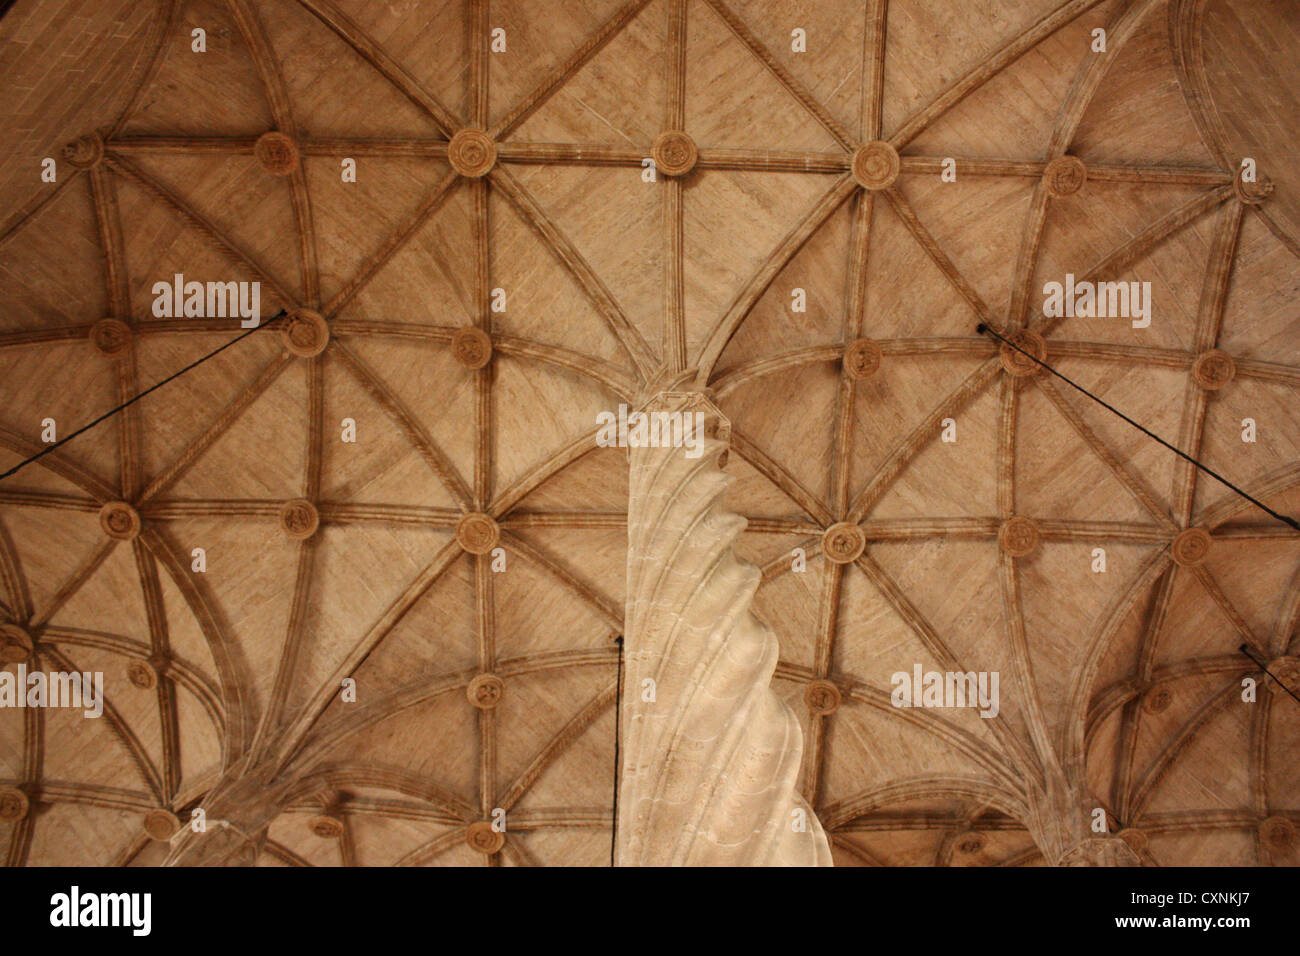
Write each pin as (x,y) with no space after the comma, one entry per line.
(135,398)
(1246,650)
(1290,522)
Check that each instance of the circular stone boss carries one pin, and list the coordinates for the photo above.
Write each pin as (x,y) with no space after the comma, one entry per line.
(1157,699)
(472,153)
(276,152)
(485,691)
(969,843)
(843,542)
(876,165)
(477,533)
(1214,369)
(1191,547)
(862,359)
(305,333)
(15,644)
(1015,361)
(1252,193)
(822,697)
(161,824)
(85,152)
(1277,833)
(1018,536)
(472,347)
(327,826)
(674,153)
(299,518)
(1065,176)
(13,804)
(110,337)
(119,520)
(484,838)
(141,674)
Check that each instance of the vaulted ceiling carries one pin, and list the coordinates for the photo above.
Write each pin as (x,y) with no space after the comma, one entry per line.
(328,559)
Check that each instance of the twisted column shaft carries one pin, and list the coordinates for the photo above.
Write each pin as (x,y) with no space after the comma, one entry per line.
(711,754)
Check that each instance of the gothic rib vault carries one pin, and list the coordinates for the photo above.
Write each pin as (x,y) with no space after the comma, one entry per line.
(522,170)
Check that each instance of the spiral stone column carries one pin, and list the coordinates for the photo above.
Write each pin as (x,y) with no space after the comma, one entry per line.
(239,809)
(1060,814)
(710,753)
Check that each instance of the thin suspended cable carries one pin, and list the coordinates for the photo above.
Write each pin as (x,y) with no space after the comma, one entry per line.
(618,732)
(135,398)
(1290,522)
(1246,650)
